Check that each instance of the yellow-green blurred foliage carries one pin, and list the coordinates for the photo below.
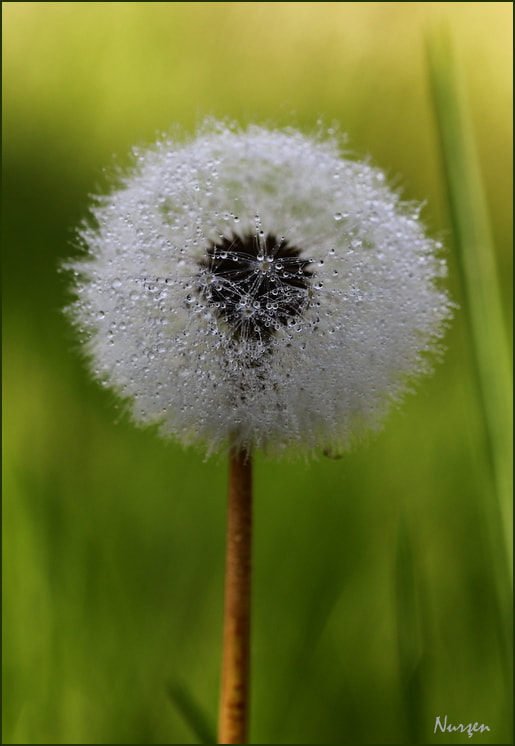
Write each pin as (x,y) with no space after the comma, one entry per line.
(379,594)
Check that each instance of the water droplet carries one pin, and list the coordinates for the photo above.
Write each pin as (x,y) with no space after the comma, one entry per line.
(338,216)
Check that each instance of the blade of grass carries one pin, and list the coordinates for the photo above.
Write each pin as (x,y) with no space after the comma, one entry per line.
(191,712)
(410,644)
(487,338)
(479,278)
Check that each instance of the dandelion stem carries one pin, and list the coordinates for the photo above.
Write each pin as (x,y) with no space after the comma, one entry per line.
(234,703)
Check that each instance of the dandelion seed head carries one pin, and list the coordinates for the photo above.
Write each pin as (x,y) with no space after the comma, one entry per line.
(258,288)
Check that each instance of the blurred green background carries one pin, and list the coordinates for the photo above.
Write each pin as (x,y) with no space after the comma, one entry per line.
(380,587)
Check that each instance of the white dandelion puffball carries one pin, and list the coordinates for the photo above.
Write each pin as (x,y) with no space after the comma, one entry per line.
(255,288)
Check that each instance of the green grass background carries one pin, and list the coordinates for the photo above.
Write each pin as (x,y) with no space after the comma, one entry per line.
(381,591)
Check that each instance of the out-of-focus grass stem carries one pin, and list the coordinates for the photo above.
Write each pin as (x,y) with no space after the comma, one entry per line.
(477,266)
(410,642)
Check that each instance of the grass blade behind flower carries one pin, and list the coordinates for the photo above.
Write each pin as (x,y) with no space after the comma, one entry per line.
(410,641)
(477,267)
(191,712)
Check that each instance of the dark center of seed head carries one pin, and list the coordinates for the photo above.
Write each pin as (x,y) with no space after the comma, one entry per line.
(255,283)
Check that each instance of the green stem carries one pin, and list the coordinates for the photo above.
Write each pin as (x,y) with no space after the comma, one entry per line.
(479,278)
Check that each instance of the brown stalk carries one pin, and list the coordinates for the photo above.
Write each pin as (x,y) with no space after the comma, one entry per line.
(234,702)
